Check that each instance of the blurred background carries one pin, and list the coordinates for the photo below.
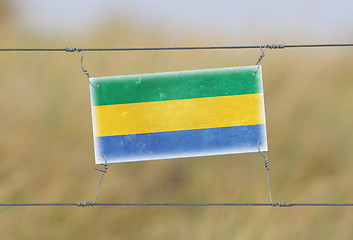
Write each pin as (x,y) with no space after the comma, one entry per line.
(46,141)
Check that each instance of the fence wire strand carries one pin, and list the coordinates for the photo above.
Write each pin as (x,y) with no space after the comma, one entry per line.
(88,204)
(268,46)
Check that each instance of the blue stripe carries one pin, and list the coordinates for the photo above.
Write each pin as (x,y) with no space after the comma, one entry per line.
(175,144)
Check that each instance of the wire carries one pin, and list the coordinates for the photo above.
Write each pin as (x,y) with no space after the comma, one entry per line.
(87,204)
(263,154)
(273,46)
(104,171)
(35,204)
(285,204)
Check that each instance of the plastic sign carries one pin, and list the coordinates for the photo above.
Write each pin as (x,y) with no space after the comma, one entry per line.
(178,114)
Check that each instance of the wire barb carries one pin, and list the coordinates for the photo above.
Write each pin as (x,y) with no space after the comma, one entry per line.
(103,172)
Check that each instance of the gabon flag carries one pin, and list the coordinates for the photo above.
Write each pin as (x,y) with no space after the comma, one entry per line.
(178,114)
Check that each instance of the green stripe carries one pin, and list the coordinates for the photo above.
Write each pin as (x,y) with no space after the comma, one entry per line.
(175,85)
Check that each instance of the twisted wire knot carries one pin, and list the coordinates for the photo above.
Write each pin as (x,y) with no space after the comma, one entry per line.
(267,164)
(68,49)
(276,46)
(283,204)
(84,204)
(86,72)
(273,46)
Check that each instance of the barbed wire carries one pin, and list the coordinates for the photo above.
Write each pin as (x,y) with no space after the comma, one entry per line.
(269,46)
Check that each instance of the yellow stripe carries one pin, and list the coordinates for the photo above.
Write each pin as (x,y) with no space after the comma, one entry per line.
(176,115)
